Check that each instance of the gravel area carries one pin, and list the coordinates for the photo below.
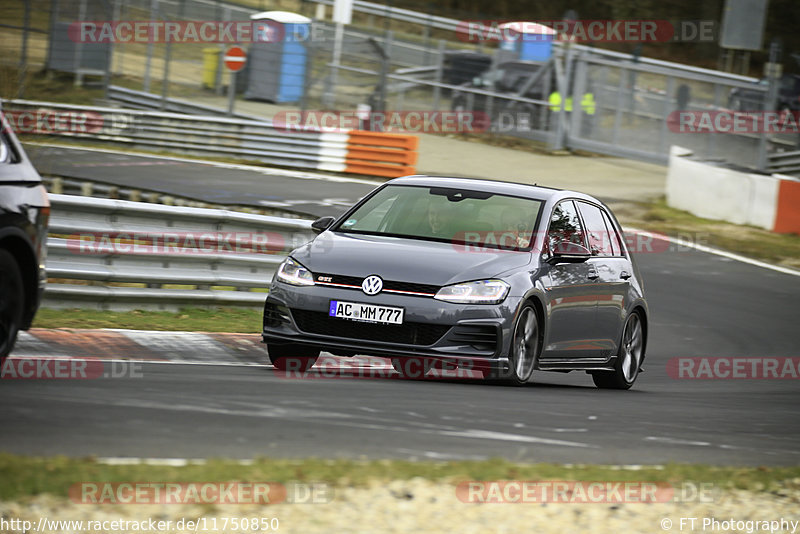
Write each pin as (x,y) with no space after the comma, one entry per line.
(422,506)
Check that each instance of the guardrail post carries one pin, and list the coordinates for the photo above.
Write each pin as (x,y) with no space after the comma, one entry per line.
(86,189)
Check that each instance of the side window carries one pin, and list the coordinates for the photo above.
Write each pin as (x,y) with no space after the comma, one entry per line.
(616,244)
(565,225)
(600,240)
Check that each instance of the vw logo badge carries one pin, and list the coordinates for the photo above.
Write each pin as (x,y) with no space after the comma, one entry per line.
(372,285)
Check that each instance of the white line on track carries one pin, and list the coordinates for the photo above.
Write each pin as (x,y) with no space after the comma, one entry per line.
(180,462)
(675,441)
(503,436)
(717,252)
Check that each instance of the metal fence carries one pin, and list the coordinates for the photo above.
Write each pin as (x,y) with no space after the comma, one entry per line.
(413,71)
(635,101)
(115,254)
(24,27)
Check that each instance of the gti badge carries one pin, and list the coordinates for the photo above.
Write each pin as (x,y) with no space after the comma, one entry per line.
(372,285)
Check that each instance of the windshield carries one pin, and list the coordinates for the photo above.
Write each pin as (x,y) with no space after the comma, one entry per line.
(448,215)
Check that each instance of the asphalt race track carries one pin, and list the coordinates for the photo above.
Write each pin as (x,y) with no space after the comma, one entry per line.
(316,195)
(701,304)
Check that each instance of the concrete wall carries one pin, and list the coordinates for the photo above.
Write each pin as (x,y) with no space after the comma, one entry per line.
(712,192)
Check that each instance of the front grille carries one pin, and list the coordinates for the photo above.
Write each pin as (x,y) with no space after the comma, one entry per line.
(409,286)
(407,333)
(479,336)
(391,285)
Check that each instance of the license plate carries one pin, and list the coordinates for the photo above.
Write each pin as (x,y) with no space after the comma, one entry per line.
(369,313)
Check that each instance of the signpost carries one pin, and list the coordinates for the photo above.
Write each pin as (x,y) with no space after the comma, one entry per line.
(235,58)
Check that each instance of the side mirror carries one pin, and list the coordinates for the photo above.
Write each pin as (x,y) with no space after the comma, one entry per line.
(568,252)
(322,224)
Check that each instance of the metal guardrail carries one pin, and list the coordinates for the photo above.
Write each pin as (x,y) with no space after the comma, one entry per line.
(142,100)
(785,163)
(90,188)
(116,254)
(358,152)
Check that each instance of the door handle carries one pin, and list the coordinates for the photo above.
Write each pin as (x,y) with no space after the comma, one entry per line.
(624,275)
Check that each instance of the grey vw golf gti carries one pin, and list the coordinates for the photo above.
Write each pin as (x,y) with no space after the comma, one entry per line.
(497,277)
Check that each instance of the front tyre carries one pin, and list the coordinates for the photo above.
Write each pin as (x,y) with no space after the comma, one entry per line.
(629,358)
(292,358)
(524,346)
(12,301)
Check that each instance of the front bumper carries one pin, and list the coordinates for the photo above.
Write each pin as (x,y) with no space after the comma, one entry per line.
(471,335)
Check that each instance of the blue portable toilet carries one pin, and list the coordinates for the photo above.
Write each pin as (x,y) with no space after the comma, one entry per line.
(528,41)
(277,58)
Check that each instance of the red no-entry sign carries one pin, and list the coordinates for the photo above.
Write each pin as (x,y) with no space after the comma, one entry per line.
(235,58)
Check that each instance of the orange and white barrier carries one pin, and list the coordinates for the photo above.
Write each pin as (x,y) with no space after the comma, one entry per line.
(771,202)
(381,154)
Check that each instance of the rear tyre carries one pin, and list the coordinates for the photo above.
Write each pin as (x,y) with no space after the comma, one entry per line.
(629,359)
(524,346)
(412,368)
(298,358)
(12,301)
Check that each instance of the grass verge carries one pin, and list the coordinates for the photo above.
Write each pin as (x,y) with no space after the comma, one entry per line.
(187,319)
(23,476)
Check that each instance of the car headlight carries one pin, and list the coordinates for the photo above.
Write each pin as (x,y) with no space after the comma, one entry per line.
(479,292)
(294,273)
